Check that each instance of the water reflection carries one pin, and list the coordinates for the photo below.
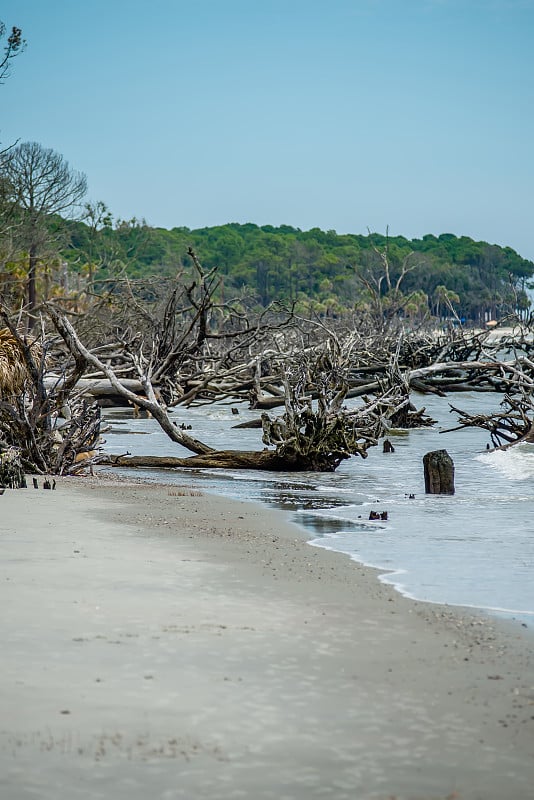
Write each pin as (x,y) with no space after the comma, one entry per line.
(127,432)
(328,525)
(292,501)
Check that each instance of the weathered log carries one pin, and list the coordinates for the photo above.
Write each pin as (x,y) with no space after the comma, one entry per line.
(252,423)
(264,402)
(148,402)
(439,472)
(267,460)
(426,388)
(100,387)
(513,425)
(408,417)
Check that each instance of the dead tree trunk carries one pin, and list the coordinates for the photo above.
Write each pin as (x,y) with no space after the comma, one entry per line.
(47,425)
(267,460)
(439,472)
(513,425)
(305,437)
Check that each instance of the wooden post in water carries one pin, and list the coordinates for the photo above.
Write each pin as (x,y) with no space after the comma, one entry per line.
(439,472)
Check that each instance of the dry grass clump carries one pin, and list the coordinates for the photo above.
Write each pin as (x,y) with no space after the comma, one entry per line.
(13,369)
(184,491)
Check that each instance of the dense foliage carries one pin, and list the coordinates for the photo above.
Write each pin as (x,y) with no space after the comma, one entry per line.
(318,270)
(313,271)
(42,254)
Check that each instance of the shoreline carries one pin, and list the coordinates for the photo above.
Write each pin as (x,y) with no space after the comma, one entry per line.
(490,575)
(507,617)
(513,617)
(166,642)
(381,573)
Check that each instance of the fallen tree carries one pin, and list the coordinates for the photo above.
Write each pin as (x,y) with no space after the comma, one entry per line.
(48,426)
(307,437)
(157,347)
(513,424)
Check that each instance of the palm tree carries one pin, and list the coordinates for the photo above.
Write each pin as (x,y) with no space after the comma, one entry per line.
(447,297)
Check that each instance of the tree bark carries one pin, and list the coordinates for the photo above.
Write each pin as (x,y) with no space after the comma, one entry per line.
(266,460)
(439,472)
(32,285)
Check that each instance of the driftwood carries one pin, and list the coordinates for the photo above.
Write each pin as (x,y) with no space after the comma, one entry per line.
(156,345)
(199,350)
(251,423)
(439,472)
(409,417)
(218,459)
(148,402)
(514,424)
(100,390)
(440,378)
(47,426)
(315,431)
(305,437)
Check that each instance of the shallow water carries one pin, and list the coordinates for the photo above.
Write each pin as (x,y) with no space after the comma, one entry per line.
(473,549)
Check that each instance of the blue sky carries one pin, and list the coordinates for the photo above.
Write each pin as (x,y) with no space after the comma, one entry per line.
(339,114)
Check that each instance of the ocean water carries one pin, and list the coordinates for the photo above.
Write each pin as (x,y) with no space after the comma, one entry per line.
(475,548)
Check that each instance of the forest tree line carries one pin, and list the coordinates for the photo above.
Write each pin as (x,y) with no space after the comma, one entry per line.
(54,243)
(320,271)
(157,325)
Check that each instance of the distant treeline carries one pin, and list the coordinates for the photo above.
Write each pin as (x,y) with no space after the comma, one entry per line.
(317,270)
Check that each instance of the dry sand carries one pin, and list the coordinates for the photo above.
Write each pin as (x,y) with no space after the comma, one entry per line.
(158,644)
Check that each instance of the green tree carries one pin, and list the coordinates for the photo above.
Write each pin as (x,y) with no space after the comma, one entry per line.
(376,272)
(444,298)
(40,184)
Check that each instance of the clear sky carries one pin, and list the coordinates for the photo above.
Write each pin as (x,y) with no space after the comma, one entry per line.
(337,114)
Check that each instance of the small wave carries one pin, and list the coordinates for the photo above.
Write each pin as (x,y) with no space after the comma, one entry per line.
(246,475)
(275,479)
(516,463)
(488,522)
(391,578)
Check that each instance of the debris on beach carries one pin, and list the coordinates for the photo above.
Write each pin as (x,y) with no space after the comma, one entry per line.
(375,515)
(11,471)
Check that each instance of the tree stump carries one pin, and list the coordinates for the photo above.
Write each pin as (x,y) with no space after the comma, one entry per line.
(439,472)
(11,470)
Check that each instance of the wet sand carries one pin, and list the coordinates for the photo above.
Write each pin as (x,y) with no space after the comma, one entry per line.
(162,644)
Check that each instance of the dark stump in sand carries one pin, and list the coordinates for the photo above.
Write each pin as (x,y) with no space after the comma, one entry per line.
(11,469)
(439,472)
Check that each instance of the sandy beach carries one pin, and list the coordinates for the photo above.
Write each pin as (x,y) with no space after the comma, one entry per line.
(160,643)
